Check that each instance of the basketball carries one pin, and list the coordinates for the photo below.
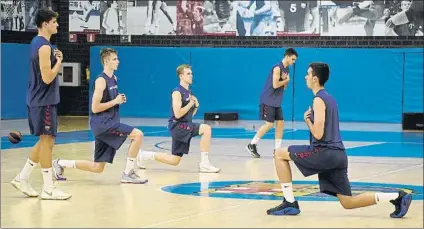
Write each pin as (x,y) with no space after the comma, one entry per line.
(15,137)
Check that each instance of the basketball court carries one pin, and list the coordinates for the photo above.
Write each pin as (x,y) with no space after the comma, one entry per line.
(381,158)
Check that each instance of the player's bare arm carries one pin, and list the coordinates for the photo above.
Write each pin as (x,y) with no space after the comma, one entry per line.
(97,106)
(317,128)
(48,74)
(176,105)
(276,83)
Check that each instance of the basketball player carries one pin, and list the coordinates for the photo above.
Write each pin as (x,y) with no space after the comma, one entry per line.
(270,101)
(297,16)
(110,20)
(42,99)
(414,14)
(189,17)
(326,156)
(407,29)
(105,123)
(163,6)
(262,20)
(87,7)
(184,106)
(371,10)
(244,17)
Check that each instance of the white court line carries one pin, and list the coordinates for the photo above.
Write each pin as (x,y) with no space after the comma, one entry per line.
(389,172)
(198,214)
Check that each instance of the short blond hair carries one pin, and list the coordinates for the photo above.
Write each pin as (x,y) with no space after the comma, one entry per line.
(180,69)
(106,53)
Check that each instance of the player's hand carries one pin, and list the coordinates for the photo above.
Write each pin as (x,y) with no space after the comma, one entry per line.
(58,54)
(120,99)
(307,114)
(196,102)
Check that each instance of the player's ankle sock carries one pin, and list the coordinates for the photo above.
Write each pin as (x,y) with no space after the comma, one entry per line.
(385,197)
(27,170)
(47,178)
(255,140)
(130,165)
(67,163)
(204,157)
(148,154)
(288,191)
(277,143)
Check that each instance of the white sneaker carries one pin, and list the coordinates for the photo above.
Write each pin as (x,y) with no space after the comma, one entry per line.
(54,194)
(139,162)
(208,168)
(24,186)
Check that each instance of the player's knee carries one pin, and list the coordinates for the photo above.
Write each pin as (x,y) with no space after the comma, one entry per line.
(138,134)
(279,123)
(205,129)
(175,160)
(269,125)
(98,167)
(47,140)
(347,202)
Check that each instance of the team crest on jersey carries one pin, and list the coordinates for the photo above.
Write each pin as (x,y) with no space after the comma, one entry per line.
(271,190)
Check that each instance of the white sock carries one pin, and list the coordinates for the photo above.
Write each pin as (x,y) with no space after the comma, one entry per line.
(385,197)
(67,163)
(277,143)
(204,157)
(130,165)
(148,154)
(288,191)
(255,140)
(47,178)
(27,170)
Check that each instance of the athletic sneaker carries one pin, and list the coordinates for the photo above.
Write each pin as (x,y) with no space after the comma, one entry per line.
(58,170)
(208,168)
(132,178)
(402,204)
(285,208)
(24,186)
(54,193)
(253,151)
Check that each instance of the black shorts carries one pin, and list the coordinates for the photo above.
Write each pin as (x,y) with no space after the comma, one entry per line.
(43,120)
(270,114)
(329,164)
(182,133)
(107,143)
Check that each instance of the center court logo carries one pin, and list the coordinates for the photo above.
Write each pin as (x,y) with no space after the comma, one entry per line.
(271,190)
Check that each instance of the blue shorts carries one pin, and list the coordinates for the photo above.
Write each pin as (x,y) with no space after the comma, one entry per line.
(182,133)
(270,114)
(329,164)
(43,120)
(107,143)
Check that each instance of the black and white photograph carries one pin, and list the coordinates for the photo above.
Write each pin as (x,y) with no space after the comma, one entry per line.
(219,17)
(189,17)
(365,18)
(84,16)
(13,15)
(299,18)
(113,17)
(277,18)
(31,8)
(151,17)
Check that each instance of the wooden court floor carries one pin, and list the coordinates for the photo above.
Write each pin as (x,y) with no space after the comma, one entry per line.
(240,200)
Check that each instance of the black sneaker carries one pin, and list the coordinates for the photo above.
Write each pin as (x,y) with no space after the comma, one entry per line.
(285,208)
(402,204)
(253,151)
